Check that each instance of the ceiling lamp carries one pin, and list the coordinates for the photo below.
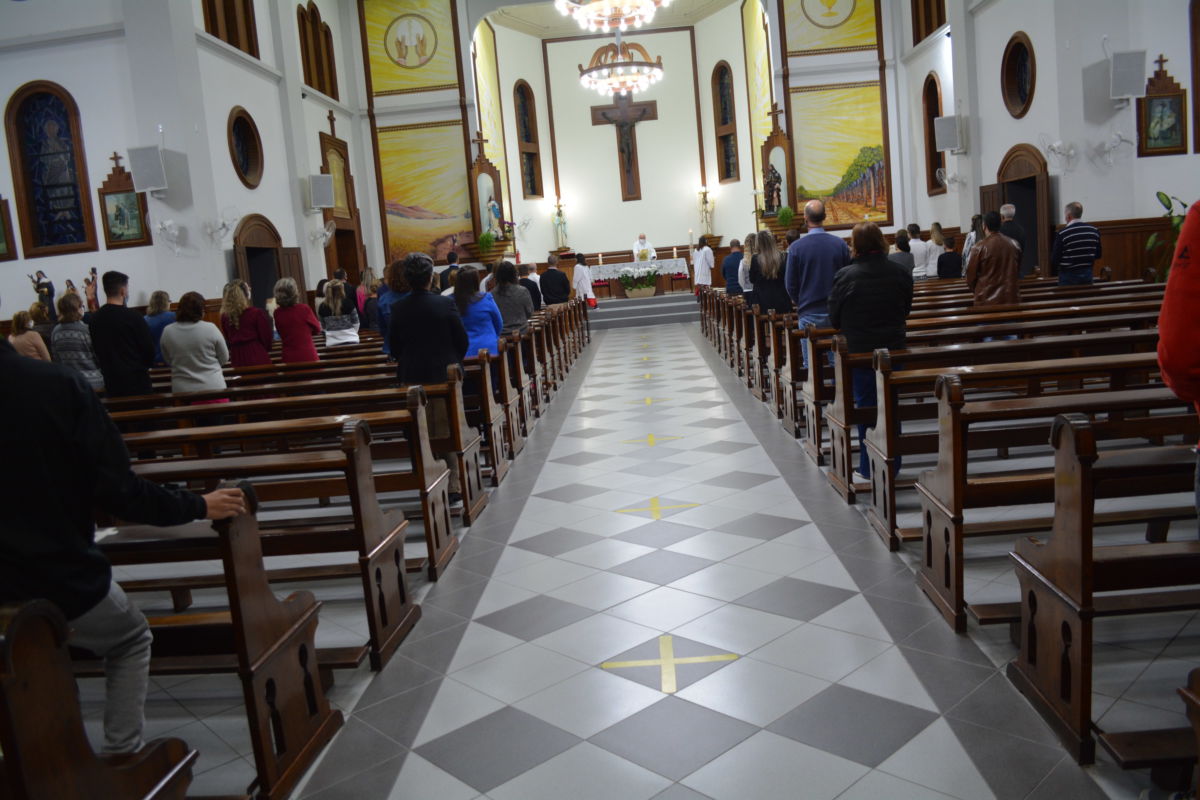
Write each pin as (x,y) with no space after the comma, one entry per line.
(610,15)
(620,68)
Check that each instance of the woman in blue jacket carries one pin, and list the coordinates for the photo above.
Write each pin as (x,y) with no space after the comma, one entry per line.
(479,312)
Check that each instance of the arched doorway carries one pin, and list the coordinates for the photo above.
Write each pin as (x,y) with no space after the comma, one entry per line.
(261,259)
(1024,180)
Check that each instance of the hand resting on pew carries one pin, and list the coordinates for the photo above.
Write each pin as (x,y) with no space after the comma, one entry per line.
(224,503)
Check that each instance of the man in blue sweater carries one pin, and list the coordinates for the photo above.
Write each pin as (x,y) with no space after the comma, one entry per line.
(812,261)
(729,268)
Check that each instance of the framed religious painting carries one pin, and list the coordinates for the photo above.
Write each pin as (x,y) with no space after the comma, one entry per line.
(1162,116)
(122,210)
(8,246)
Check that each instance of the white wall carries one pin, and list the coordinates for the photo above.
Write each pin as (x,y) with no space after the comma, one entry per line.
(920,207)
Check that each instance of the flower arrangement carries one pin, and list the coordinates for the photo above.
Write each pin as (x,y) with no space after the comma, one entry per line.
(638,277)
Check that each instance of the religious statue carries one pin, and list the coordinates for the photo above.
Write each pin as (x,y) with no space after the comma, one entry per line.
(624,123)
(45,292)
(493,220)
(706,209)
(559,221)
(774,183)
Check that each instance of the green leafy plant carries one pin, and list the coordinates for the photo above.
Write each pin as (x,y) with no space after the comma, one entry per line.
(638,277)
(785,215)
(1161,246)
(485,241)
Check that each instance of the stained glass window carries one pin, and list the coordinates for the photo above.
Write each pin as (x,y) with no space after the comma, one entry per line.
(531,158)
(724,117)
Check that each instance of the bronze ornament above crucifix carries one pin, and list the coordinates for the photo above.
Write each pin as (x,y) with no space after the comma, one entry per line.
(623,115)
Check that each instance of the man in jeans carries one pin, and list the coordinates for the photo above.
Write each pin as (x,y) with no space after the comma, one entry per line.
(73,461)
(812,261)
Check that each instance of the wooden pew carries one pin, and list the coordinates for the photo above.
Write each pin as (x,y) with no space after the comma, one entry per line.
(1191,701)
(914,373)
(1067,580)
(509,397)
(377,538)
(47,755)
(486,414)
(950,488)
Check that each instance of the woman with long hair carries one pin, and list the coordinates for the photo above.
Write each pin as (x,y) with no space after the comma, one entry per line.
(72,341)
(339,315)
(40,315)
(395,288)
(247,328)
(25,340)
(194,348)
(514,300)
(296,323)
(974,237)
(158,316)
(748,250)
(479,312)
(936,246)
(767,272)
(365,288)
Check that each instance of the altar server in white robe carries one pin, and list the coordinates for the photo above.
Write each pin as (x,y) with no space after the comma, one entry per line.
(643,250)
(582,281)
(702,264)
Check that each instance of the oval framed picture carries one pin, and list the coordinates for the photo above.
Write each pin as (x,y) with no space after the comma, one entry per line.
(1018,75)
(245,147)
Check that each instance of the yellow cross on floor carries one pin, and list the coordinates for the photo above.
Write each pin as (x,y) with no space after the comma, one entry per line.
(647,375)
(667,662)
(645,358)
(650,440)
(656,508)
(649,401)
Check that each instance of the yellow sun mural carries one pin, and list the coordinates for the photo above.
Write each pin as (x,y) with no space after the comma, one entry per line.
(411,45)
(823,26)
(424,188)
(758,74)
(487,89)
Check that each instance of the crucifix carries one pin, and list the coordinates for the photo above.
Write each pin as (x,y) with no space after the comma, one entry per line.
(479,140)
(623,115)
(775,113)
(1161,61)
(332,122)
(116,159)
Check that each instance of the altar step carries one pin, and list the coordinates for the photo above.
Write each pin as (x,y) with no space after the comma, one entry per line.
(662,310)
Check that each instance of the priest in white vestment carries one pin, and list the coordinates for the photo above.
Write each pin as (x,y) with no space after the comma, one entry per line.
(581,280)
(702,264)
(643,250)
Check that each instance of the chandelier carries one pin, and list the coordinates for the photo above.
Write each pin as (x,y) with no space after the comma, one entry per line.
(620,68)
(607,15)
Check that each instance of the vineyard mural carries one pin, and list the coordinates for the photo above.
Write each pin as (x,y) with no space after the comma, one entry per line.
(841,157)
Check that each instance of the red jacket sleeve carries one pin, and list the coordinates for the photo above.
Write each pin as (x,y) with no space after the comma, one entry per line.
(262,324)
(310,318)
(1179,320)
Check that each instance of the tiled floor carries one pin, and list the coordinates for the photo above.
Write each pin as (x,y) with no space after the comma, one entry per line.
(665,599)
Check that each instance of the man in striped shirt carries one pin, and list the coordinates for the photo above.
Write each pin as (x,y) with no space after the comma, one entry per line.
(1076,248)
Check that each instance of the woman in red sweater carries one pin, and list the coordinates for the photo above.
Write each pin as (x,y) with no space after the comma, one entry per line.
(247,329)
(295,322)
(1178,322)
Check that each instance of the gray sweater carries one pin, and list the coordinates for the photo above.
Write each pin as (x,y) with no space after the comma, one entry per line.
(195,351)
(516,306)
(71,343)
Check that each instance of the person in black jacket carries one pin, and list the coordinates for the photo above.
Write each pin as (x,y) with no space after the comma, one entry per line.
(122,341)
(555,285)
(73,462)
(869,303)
(729,268)
(767,270)
(950,263)
(426,335)
(531,285)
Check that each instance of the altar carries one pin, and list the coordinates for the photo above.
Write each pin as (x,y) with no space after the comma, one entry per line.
(607,276)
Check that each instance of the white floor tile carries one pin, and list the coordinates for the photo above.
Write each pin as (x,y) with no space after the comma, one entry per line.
(771,767)
(664,608)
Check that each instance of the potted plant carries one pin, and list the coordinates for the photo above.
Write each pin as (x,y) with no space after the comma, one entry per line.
(639,281)
(1161,247)
(785,215)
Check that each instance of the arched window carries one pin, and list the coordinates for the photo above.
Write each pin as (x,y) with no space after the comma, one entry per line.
(45,148)
(232,21)
(931,103)
(316,50)
(725,123)
(527,140)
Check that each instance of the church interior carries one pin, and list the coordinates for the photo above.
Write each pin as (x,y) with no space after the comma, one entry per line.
(629,555)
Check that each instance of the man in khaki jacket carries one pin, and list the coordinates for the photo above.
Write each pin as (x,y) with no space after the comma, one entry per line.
(995,267)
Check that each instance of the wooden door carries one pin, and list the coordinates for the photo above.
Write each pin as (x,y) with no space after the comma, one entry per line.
(991,197)
(1045,222)
(291,265)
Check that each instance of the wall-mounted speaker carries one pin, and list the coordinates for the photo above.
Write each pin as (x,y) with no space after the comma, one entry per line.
(1128,74)
(947,134)
(320,191)
(146,166)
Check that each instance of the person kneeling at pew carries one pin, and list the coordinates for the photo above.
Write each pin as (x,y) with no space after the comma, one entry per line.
(73,460)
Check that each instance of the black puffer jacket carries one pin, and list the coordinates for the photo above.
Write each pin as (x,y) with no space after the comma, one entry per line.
(869,302)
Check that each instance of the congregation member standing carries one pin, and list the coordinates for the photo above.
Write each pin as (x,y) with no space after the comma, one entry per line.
(194,348)
(949,263)
(443,279)
(750,248)
(41,320)
(73,463)
(767,272)
(339,314)
(158,316)
(581,281)
(555,285)
(1076,248)
(995,268)
(903,253)
(479,312)
(975,235)
(919,250)
(394,290)
(71,341)
(364,290)
(531,285)
(296,323)
(427,336)
(869,303)
(122,341)
(811,263)
(513,299)
(247,328)
(702,265)
(1013,230)
(935,247)
(25,340)
(729,268)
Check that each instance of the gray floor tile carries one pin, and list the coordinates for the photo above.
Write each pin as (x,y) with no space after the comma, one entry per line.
(357,748)
(400,675)
(572,492)
(739,480)
(374,782)
(867,572)
(725,448)
(557,541)
(497,748)
(581,459)
(996,704)
(589,433)
(654,469)
(939,639)
(762,526)
(657,453)
(400,716)
(1012,767)
(652,676)
(1067,780)
(535,617)
(901,619)
(862,727)
(673,737)
(714,423)
(792,597)
(658,534)
(433,620)
(661,567)
(680,792)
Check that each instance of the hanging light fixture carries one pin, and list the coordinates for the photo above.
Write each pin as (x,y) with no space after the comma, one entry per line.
(620,68)
(610,15)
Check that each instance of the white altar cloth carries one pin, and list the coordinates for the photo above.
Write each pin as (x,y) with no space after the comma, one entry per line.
(663,266)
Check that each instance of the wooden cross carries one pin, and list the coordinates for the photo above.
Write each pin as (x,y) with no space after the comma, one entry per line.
(1161,61)
(776,111)
(623,115)
(332,123)
(479,140)
(116,159)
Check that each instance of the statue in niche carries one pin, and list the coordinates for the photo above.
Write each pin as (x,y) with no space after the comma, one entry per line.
(493,218)
(773,182)
(559,221)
